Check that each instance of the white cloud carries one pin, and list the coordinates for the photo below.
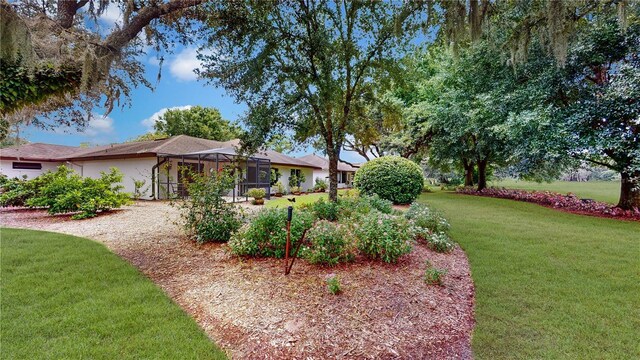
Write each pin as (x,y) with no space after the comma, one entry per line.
(151,120)
(184,63)
(112,15)
(99,125)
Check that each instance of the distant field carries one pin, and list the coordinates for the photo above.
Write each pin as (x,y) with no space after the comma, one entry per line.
(606,191)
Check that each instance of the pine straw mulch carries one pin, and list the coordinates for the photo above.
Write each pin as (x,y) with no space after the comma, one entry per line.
(252,310)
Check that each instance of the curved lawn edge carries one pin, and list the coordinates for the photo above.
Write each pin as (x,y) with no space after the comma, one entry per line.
(70,297)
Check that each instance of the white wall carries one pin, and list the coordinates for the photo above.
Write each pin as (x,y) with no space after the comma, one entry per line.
(6,168)
(136,168)
(285,172)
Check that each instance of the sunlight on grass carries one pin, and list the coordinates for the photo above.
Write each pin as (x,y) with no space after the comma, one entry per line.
(69,297)
(549,284)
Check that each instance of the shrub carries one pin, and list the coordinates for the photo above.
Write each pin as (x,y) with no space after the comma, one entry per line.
(382,205)
(279,188)
(16,191)
(257,193)
(321,185)
(330,244)
(422,216)
(333,285)
(295,189)
(352,206)
(325,210)
(439,242)
(434,276)
(138,188)
(391,177)
(383,236)
(266,234)
(427,188)
(64,191)
(207,216)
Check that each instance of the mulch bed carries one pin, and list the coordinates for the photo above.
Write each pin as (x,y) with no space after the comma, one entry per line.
(253,311)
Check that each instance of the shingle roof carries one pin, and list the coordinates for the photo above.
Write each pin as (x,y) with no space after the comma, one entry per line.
(175,145)
(323,163)
(38,151)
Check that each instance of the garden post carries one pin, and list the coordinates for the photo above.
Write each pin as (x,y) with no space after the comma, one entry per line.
(286,249)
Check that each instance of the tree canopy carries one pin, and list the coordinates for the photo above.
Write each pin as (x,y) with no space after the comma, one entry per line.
(197,121)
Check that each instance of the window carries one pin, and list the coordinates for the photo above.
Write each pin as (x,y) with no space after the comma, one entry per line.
(27,166)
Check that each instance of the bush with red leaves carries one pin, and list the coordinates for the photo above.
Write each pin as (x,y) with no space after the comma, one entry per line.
(568,202)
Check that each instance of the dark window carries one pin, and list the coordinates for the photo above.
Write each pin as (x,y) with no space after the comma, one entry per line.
(27,166)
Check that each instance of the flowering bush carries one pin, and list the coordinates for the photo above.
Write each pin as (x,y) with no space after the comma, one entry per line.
(422,216)
(555,200)
(325,210)
(266,234)
(329,244)
(439,242)
(380,204)
(383,236)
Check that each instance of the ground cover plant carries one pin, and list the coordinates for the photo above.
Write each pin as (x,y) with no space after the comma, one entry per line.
(549,284)
(70,298)
(569,202)
(605,191)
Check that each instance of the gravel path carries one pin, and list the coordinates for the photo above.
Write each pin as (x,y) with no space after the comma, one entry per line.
(253,311)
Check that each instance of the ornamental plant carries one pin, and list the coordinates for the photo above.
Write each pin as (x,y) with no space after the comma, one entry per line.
(321,185)
(207,216)
(392,178)
(266,233)
(434,276)
(257,193)
(383,236)
(325,210)
(329,244)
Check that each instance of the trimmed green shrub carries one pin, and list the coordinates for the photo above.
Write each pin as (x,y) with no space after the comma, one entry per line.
(391,177)
(207,216)
(266,234)
(329,244)
(257,193)
(382,236)
(64,191)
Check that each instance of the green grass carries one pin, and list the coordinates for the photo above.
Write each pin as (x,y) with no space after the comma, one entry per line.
(605,191)
(300,199)
(65,297)
(549,285)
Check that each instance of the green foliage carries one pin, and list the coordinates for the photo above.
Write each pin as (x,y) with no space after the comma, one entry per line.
(329,244)
(432,275)
(280,188)
(266,233)
(21,86)
(325,210)
(64,191)
(295,189)
(382,236)
(390,177)
(378,203)
(207,216)
(423,217)
(16,191)
(333,285)
(257,193)
(197,121)
(320,185)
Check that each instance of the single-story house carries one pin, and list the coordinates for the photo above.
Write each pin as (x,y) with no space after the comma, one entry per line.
(157,163)
(345,171)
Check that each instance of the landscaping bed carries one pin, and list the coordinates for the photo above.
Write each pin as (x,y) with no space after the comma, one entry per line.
(252,310)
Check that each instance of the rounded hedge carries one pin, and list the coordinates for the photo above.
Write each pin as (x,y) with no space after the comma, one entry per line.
(392,178)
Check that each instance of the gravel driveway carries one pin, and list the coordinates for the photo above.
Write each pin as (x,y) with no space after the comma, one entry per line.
(249,308)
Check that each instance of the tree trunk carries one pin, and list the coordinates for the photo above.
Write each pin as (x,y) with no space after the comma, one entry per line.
(629,191)
(333,174)
(482,174)
(468,172)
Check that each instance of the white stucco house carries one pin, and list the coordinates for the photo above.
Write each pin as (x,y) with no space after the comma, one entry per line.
(345,171)
(157,163)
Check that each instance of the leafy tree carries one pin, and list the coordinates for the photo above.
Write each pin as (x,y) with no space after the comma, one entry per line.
(198,121)
(303,65)
(56,57)
(280,143)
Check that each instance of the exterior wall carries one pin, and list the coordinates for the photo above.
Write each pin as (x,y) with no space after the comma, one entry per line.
(6,168)
(324,175)
(136,168)
(285,173)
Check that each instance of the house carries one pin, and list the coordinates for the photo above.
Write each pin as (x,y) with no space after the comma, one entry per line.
(157,163)
(345,171)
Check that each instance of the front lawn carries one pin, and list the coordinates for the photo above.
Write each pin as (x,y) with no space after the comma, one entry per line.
(300,199)
(69,297)
(549,284)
